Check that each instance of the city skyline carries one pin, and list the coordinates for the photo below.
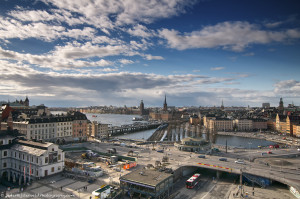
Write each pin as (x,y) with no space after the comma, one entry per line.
(198,53)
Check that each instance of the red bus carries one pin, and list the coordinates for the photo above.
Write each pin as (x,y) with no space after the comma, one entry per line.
(193,181)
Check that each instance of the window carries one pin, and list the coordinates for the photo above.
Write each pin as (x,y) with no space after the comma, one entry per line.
(46,159)
(52,149)
(59,156)
(37,160)
(23,156)
(52,169)
(4,165)
(1,142)
(58,168)
(5,153)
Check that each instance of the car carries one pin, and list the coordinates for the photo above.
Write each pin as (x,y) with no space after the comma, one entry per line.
(201,156)
(270,152)
(239,162)
(223,159)
(160,151)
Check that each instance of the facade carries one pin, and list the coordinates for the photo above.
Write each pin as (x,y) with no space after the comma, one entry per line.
(98,130)
(147,184)
(281,107)
(284,124)
(296,130)
(220,124)
(266,105)
(79,126)
(54,128)
(244,124)
(193,145)
(206,119)
(22,161)
(64,127)
(164,114)
(194,119)
(260,124)
(37,128)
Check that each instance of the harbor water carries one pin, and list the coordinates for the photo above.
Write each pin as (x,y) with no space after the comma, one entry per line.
(118,120)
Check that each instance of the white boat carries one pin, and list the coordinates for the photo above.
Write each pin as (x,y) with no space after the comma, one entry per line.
(137,119)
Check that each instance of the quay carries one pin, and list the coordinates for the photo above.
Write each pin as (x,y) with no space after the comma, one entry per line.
(266,136)
(130,128)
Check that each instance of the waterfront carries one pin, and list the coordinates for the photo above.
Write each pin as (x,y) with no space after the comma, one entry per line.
(112,119)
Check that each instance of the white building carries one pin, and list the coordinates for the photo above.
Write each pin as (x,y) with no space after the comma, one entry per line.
(244,124)
(64,127)
(22,161)
(37,128)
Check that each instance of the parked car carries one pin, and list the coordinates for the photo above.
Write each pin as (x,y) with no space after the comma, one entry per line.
(160,151)
(239,162)
(223,159)
(270,152)
(201,156)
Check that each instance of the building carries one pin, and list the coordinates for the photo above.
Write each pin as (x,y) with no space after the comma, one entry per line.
(64,128)
(147,184)
(193,145)
(79,126)
(22,161)
(164,114)
(40,128)
(281,107)
(284,124)
(266,105)
(244,124)
(98,130)
(220,124)
(165,104)
(296,130)
(206,118)
(194,119)
(259,124)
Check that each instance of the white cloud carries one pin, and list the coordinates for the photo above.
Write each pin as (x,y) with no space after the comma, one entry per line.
(10,28)
(151,57)
(287,88)
(126,61)
(235,36)
(141,31)
(217,68)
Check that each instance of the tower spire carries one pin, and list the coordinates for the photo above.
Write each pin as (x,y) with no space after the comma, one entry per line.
(165,104)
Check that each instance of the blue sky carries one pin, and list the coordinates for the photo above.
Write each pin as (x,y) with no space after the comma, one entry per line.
(82,53)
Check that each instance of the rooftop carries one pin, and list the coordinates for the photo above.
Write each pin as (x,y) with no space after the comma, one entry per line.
(28,149)
(147,177)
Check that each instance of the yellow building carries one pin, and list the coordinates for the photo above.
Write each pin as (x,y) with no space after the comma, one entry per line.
(220,124)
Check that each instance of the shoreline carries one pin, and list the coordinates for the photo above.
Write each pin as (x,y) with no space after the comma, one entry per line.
(265,136)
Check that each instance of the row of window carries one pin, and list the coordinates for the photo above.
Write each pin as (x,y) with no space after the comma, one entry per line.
(27,157)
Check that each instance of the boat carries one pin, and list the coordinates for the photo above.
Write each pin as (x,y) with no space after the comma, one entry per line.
(137,119)
(94,115)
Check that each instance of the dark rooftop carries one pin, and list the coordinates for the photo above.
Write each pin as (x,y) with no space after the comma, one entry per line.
(147,177)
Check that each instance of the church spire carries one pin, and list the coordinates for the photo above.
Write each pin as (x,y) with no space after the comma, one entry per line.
(165,104)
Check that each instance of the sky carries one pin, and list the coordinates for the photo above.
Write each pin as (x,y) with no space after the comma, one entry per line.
(75,53)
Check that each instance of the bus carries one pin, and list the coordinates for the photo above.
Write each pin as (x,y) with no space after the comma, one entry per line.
(193,181)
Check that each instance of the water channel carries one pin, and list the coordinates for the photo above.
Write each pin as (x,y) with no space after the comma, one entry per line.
(118,120)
